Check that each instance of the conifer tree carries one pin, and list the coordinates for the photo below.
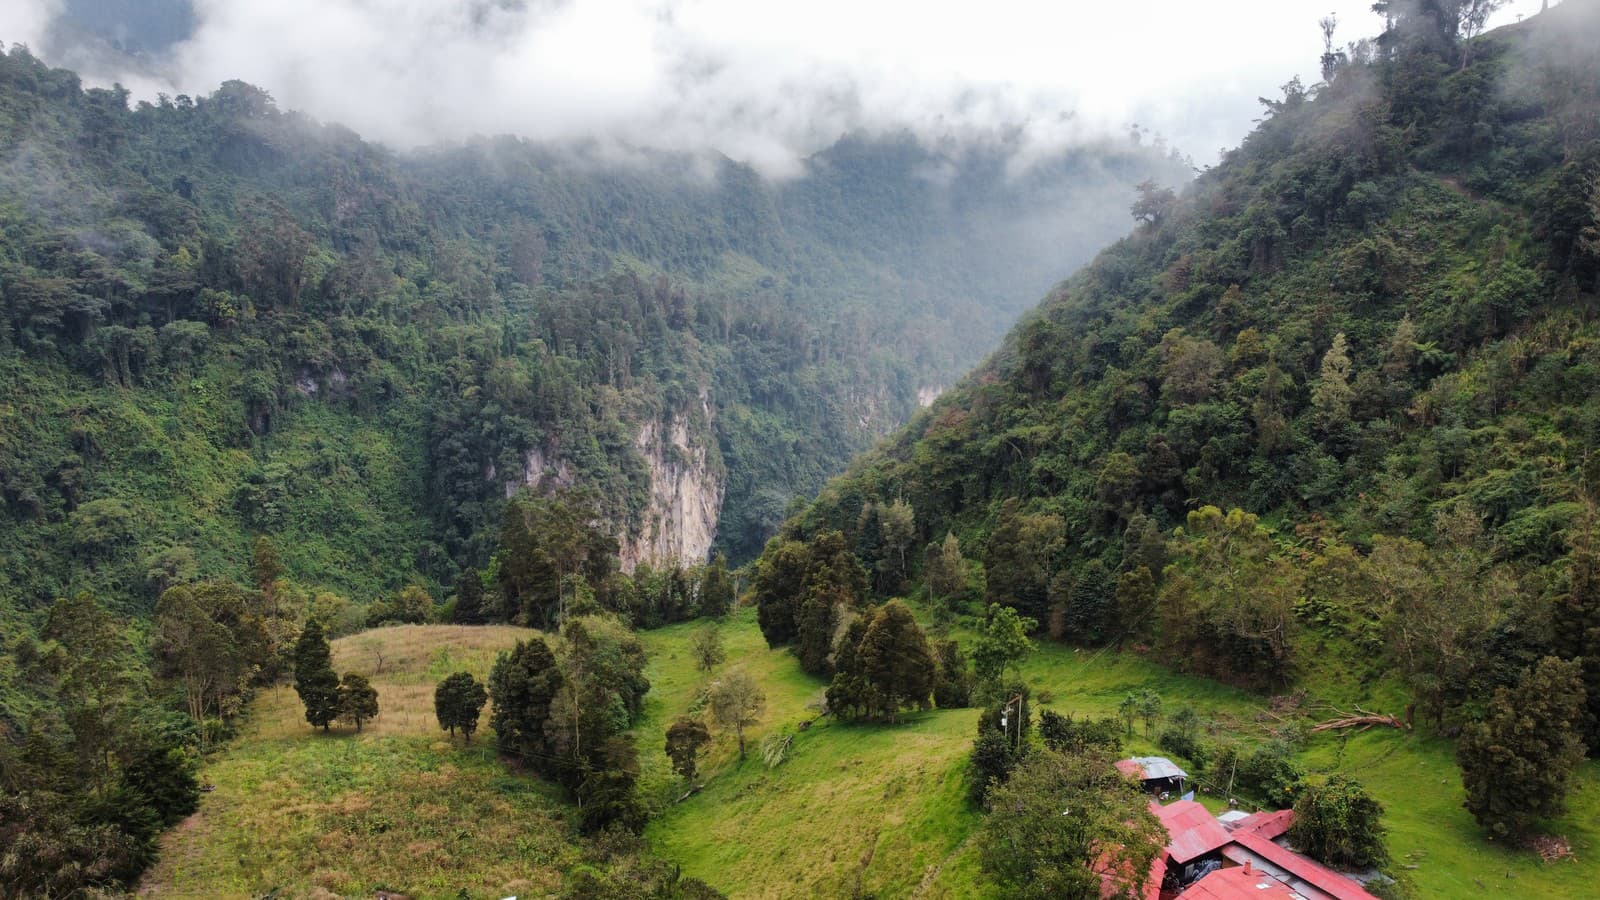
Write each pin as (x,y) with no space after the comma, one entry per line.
(1331,397)
(1517,764)
(1577,625)
(523,684)
(457,702)
(358,699)
(265,568)
(896,661)
(953,687)
(314,678)
(469,598)
(947,570)
(716,588)
(849,694)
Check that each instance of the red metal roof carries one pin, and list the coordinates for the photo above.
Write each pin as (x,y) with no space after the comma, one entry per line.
(1191,830)
(1111,885)
(1270,825)
(1236,884)
(1304,868)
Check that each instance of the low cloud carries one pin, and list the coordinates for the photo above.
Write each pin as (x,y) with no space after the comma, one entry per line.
(763,82)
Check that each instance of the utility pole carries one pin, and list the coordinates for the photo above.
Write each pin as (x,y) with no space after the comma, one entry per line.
(1016,700)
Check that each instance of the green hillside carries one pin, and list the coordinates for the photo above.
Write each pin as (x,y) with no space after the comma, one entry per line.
(272,305)
(1371,326)
(854,808)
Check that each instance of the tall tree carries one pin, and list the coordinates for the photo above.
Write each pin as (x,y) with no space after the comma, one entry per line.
(1331,396)
(414,606)
(898,526)
(469,609)
(1069,827)
(1437,607)
(358,699)
(265,568)
(1002,644)
(953,687)
(1517,764)
(206,638)
(778,585)
(1227,605)
(1154,204)
(947,570)
(1021,558)
(706,648)
(1576,622)
(523,685)
(314,678)
(896,661)
(716,588)
(457,702)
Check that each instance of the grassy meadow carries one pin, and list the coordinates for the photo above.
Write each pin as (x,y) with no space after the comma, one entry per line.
(854,810)
(307,814)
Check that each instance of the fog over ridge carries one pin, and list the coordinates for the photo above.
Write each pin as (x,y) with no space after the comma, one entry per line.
(765,83)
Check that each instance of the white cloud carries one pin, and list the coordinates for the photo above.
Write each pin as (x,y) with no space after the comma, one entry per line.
(25,21)
(762,80)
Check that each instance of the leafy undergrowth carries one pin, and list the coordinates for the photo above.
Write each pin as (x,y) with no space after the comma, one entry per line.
(854,809)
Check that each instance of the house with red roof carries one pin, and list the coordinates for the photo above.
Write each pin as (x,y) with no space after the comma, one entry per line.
(1209,859)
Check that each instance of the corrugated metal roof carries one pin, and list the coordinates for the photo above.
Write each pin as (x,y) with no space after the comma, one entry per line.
(1191,830)
(1270,825)
(1301,867)
(1236,883)
(1146,768)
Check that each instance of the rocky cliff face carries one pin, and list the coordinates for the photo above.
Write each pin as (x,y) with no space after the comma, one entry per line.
(540,467)
(687,481)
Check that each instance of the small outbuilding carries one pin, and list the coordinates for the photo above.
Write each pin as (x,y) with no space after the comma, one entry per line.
(1156,774)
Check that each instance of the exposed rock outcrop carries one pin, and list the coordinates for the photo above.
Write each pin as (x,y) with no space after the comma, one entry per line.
(687,482)
(540,468)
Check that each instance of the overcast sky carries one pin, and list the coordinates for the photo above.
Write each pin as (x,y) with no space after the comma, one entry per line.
(765,81)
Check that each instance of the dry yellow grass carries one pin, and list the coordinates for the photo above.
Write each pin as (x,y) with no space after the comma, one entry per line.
(397,807)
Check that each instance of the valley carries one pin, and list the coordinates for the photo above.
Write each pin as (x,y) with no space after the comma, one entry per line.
(571,518)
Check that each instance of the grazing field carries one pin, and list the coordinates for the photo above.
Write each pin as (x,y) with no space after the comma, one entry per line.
(854,809)
(882,810)
(307,814)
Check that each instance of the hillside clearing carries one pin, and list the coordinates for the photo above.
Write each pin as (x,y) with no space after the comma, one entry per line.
(855,808)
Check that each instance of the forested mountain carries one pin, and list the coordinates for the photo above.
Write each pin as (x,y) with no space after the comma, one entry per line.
(1369,332)
(224,320)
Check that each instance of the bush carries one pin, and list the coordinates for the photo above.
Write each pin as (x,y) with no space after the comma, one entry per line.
(1062,734)
(1338,822)
(1269,774)
(1183,743)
